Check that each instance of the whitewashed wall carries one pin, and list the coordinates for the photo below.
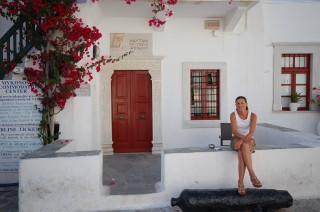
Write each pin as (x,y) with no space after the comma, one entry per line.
(54,174)
(247,52)
(289,22)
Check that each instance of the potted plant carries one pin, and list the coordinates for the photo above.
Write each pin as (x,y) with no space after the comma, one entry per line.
(295,98)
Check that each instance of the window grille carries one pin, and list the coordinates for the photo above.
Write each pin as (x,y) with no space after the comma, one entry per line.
(204,94)
(295,77)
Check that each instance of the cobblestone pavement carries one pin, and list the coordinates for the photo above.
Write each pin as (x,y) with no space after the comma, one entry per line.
(9,199)
(9,203)
(307,205)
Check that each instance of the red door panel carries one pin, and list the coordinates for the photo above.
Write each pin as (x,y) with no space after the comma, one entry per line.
(131,111)
(120,109)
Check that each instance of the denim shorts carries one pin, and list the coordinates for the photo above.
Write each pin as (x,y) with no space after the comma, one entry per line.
(252,144)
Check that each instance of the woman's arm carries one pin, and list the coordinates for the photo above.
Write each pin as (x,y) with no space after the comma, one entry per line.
(253,124)
(234,127)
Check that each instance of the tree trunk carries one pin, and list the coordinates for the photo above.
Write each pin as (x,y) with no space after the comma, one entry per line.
(51,123)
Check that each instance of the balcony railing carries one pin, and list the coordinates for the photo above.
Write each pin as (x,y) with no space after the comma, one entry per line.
(15,44)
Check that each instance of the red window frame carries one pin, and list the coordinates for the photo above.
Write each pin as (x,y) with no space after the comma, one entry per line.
(205,94)
(293,68)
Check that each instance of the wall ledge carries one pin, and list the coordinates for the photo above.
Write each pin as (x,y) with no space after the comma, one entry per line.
(50,151)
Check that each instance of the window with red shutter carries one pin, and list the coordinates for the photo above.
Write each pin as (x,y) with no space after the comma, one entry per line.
(295,77)
(204,85)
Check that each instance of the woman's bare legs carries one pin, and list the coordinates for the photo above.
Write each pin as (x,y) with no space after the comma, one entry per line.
(246,157)
(245,161)
(241,167)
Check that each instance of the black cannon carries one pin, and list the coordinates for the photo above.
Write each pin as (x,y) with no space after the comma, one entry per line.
(192,200)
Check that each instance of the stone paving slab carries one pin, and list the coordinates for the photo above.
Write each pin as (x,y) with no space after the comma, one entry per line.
(132,173)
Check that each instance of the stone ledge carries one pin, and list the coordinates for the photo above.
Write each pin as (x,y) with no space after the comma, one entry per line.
(275,127)
(50,151)
(228,148)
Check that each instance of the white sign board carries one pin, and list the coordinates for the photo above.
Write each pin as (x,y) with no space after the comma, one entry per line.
(83,90)
(139,43)
(19,123)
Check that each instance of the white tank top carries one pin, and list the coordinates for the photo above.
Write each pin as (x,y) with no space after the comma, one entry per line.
(243,124)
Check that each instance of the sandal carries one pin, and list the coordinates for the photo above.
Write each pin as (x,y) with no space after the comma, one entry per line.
(255,182)
(241,190)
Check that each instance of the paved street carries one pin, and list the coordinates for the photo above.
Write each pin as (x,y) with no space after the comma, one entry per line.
(9,203)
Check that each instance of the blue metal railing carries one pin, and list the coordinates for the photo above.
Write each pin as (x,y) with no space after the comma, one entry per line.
(15,44)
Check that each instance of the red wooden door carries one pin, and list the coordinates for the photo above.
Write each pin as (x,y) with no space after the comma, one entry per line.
(131,96)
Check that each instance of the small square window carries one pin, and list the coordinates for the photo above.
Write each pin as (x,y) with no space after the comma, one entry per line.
(295,65)
(204,94)
(295,77)
(213,78)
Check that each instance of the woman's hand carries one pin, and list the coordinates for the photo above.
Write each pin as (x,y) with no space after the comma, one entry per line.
(247,139)
(237,145)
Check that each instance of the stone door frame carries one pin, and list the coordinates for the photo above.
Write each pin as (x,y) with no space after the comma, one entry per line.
(153,65)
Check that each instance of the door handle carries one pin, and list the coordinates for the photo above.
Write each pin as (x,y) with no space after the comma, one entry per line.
(141,116)
(121,117)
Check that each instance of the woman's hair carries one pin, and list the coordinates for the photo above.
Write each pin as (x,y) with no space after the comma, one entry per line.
(244,98)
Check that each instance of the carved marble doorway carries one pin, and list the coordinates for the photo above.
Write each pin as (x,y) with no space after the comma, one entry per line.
(153,65)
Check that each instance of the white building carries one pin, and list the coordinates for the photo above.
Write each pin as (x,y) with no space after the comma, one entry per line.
(246,49)
(254,41)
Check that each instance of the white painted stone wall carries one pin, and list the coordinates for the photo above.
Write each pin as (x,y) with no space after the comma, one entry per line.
(68,180)
(64,183)
(294,170)
(266,135)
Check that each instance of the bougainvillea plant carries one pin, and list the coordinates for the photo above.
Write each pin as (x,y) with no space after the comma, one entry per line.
(61,60)
(61,42)
(158,6)
(315,95)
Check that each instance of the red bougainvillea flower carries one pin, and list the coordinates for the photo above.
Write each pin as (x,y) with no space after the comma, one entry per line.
(61,41)
(130,1)
(158,6)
